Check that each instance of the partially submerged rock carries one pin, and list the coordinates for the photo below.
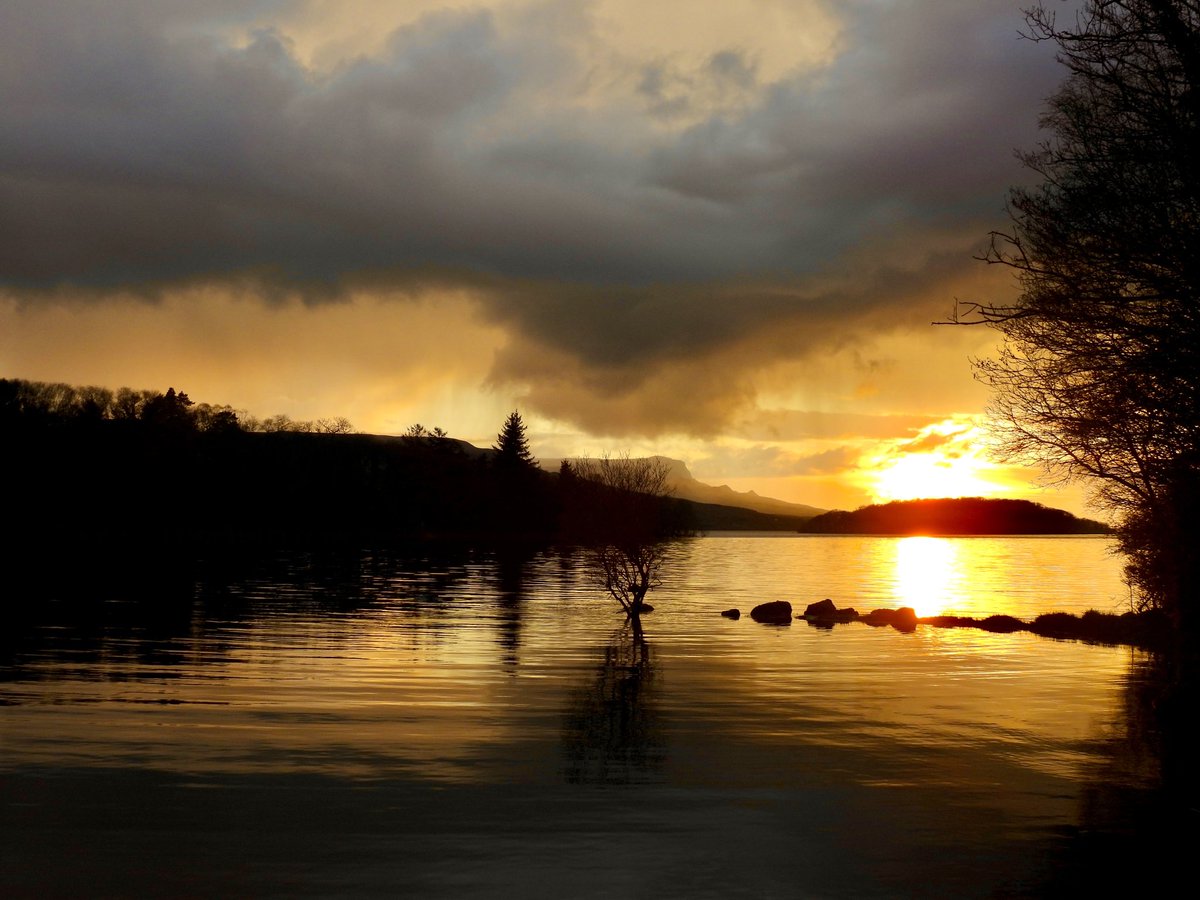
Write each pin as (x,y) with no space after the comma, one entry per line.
(1056,624)
(824,612)
(822,609)
(1147,629)
(777,612)
(1001,624)
(902,619)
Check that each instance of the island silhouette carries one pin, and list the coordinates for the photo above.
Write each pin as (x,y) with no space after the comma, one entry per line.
(953,517)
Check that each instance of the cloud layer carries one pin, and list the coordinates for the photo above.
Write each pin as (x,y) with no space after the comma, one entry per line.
(651,204)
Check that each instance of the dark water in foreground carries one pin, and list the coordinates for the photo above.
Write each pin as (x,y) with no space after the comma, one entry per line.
(463,725)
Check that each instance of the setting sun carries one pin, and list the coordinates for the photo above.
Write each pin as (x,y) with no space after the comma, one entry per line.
(943,460)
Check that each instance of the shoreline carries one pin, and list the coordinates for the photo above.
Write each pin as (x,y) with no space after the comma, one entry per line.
(1149,630)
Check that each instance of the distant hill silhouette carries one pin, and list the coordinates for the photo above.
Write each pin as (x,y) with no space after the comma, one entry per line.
(686,487)
(715,517)
(958,516)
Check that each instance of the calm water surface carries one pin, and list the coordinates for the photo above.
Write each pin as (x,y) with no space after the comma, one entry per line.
(467,725)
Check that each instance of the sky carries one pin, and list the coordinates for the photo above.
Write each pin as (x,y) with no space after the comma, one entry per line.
(719,232)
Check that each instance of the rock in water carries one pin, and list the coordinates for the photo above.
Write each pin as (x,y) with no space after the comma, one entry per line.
(824,612)
(1002,624)
(902,619)
(731,613)
(822,609)
(777,612)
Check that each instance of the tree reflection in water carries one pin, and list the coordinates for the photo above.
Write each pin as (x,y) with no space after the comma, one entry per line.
(510,584)
(1139,812)
(611,730)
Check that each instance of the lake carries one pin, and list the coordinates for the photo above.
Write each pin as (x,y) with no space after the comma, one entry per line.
(459,724)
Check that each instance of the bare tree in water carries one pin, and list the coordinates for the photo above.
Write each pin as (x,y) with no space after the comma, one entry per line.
(623,514)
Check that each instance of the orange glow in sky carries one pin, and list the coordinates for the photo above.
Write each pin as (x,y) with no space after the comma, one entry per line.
(944,460)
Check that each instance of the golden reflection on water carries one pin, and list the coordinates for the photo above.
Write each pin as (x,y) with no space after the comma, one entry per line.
(505,699)
(968,576)
(928,574)
(448,683)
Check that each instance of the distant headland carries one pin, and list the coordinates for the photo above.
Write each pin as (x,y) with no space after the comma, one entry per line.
(959,516)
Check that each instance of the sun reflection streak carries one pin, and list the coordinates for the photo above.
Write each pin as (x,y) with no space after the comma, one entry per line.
(928,574)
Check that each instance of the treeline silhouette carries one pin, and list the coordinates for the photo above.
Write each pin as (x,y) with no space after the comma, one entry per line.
(959,516)
(155,475)
(139,468)
(45,402)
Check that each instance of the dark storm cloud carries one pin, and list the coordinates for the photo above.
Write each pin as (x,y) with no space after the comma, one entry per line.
(613,328)
(137,149)
(915,123)
(703,211)
(132,153)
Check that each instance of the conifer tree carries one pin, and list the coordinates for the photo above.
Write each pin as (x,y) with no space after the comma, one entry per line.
(512,444)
